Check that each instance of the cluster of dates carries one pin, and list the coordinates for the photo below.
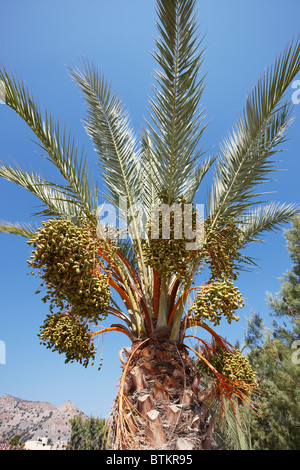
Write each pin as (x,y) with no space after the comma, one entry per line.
(217,300)
(232,365)
(66,257)
(221,248)
(170,255)
(69,335)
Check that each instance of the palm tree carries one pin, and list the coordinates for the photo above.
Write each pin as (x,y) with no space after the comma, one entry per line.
(88,268)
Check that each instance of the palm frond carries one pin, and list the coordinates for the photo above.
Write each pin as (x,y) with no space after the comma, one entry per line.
(233,430)
(244,161)
(55,202)
(60,148)
(176,119)
(24,230)
(107,124)
(149,176)
(192,185)
(126,248)
(266,218)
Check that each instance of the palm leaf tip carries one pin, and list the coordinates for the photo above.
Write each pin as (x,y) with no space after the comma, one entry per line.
(23,229)
(246,155)
(55,201)
(107,124)
(57,146)
(266,218)
(177,121)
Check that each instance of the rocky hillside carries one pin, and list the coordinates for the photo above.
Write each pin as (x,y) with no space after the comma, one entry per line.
(33,419)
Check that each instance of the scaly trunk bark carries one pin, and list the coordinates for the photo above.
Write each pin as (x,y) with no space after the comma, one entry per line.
(160,404)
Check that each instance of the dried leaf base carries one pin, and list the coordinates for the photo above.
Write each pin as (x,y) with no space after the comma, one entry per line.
(159,404)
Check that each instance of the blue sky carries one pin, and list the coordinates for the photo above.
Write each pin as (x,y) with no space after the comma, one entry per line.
(37,41)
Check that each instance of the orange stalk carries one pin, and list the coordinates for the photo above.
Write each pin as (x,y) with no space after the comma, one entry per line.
(130,267)
(106,258)
(172,294)
(185,293)
(113,328)
(205,360)
(110,262)
(201,341)
(218,338)
(229,387)
(120,291)
(215,335)
(119,314)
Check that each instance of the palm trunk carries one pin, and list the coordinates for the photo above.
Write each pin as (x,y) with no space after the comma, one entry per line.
(160,404)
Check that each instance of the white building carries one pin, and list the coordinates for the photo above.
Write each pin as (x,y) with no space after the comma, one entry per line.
(43,443)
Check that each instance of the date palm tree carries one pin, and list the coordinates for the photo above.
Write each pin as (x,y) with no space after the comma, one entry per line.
(132,271)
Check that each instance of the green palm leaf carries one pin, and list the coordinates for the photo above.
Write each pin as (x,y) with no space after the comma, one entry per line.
(60,148)
(268,218)
(107,124)
(177,121)
(24,230)
(55,202)
(233,430)
(149,176)
(245,161)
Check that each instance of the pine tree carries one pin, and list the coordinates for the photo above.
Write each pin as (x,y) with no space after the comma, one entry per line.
(16,444)
(89,434)
(274,356)
(287,301)
(76,434)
